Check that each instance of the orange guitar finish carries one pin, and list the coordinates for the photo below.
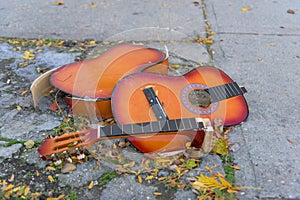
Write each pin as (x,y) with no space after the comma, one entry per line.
(93,80)
(130,105)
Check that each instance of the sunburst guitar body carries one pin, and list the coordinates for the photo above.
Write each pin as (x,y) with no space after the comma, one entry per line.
(205,92)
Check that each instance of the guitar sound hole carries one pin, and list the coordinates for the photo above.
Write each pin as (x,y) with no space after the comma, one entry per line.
(199,98)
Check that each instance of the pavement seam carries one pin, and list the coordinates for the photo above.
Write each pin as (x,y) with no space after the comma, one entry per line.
(250,161)
(256,34)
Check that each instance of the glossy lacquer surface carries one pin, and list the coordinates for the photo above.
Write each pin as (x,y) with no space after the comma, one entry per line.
(95,78)
(130,105)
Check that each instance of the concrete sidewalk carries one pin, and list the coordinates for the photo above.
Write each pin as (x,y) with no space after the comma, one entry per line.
(256,43)
(98,20)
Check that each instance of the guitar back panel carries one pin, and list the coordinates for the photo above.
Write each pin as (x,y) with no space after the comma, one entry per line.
(95,78)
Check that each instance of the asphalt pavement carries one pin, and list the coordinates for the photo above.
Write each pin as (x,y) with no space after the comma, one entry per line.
(255,42)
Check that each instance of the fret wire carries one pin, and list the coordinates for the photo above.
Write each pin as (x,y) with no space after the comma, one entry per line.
(217,91)
(147,127)
(159,124)
(221,91)
(156,128)
(142,127)
(185,123)
(99,131)
(238,88)
(235,90)
(151,127)
(168,125)
(210,93)
(224,91)
(228,94)
(110,130)
(189,120)
(230,87)
(173,124)
(193,123)
(164,126)
(176,124)
(216,94)
(137,128)
(182,124)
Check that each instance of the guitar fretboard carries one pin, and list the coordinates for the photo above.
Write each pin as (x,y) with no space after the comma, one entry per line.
(150,127)
(225,91)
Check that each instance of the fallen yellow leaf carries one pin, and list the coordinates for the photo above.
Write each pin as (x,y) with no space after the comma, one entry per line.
(175,66)
(245,9)
(140,179)
(149,178)
(35,195)
(28,55)
(26,191)
(93,5)
(157,193)
(49,168)
(50,178)
(130,164)
(19,108)
(162,178)
(10,186)
(24,92)
(91,185)
(92,42)
(271,45)
(235,167)
(208,169)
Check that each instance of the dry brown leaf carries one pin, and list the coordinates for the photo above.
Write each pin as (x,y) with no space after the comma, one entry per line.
(290,141)
(59,3)
(11,178)
(93,5)
(29,144)
(68,167)
(130,164)
(54,106)
(290,11)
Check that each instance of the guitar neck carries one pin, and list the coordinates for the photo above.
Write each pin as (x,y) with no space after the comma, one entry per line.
(146,128)
(226,91)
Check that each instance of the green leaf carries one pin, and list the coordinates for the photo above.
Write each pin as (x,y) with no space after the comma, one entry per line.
(190,164)
(221,147)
